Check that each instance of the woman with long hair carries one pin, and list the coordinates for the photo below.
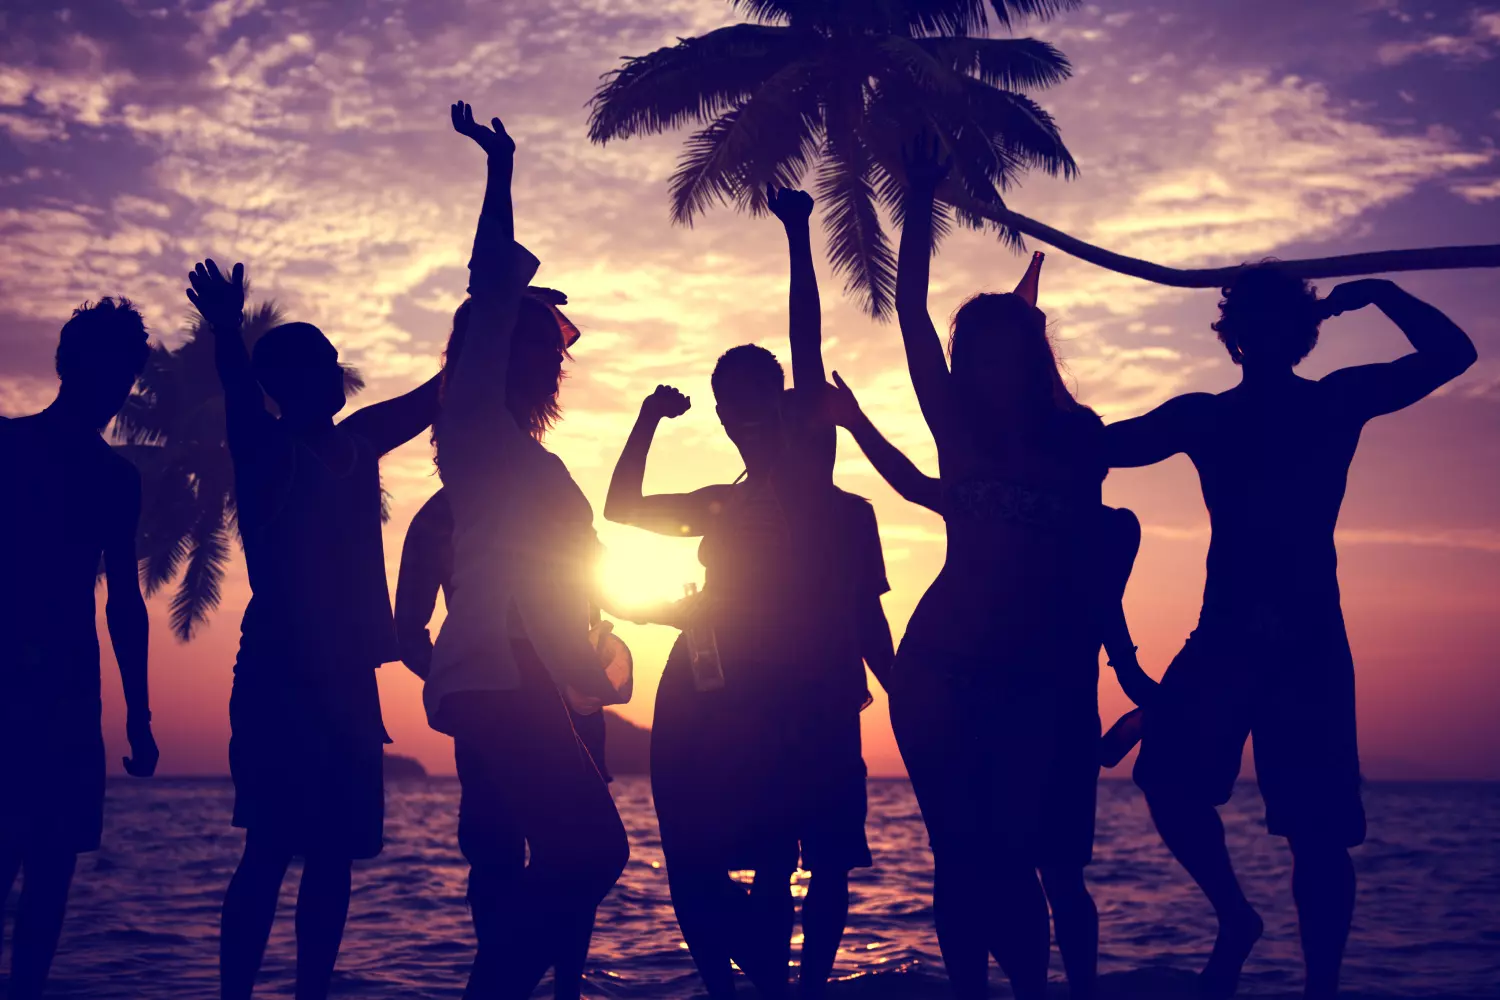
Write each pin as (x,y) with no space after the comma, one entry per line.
(516,639)
(994,693)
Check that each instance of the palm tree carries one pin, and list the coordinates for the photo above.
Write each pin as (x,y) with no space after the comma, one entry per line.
(840,87)
(172,428)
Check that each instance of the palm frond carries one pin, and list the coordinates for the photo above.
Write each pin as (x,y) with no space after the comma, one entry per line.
(771,11)
(857,246)
(1007,12)
(949,17)
(756,143)
(199,593)
(1009,63)
(696,80)
(1019,130)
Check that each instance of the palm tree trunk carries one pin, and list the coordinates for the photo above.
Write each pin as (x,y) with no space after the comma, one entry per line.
(1344,266)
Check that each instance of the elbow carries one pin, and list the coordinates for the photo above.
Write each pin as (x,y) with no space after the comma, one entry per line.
(1464,359)
(617,511)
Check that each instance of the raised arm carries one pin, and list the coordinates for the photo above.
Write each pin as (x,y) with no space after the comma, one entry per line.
(221,302)
(1443,351)
(129,627)
(678,514)
(894,467)
(499,271)
(924,349)
(422,574)
(1156,436)
(389,424)
(804,311)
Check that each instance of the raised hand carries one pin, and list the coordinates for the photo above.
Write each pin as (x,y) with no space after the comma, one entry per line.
(1352,295)
(789,205)
(926,162)
(839,404)
(493,140)
(666,402)
(143,753)
(218,299)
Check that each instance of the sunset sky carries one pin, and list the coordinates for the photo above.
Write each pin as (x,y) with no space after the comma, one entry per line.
(312,142)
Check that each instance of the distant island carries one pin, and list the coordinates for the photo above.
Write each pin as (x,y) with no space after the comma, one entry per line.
(399,768)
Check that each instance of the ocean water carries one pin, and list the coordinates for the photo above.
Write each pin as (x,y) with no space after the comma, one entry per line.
(144,910)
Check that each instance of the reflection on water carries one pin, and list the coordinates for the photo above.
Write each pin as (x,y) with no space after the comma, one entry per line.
(144,918)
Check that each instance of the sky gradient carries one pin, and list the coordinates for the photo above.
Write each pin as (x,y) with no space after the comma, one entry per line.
(312,142)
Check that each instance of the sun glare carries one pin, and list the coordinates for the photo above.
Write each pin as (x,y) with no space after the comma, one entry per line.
(640,570)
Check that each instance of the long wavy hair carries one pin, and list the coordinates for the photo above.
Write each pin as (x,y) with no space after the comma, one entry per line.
(989,315)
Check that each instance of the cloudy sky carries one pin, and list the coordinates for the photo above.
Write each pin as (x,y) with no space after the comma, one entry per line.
(311,141)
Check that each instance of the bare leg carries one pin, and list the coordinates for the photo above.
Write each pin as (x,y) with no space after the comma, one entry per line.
(1323,884)
(10,867)
(322,909)
(249,909)
(567,970)
(768,934)
(961,912)
(1075,920)
(709,907)
(1021,935)
(825,911)
(1195,836)
(44,900)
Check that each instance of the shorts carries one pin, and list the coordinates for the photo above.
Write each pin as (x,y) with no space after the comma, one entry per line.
(1000,759)
(51,778)
(1293,690)
(307,755)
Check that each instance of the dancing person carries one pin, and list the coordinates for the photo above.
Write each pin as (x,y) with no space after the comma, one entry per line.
(767,769)
(306,741)
(1270,655)
(993,696)
(1116,537)
(426,569)
(523,542)
(69,501)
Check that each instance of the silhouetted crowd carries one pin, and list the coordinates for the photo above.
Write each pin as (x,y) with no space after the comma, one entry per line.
(755,753)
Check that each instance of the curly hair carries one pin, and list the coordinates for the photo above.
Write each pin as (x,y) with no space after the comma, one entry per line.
(108,336)
(1273,313)
(746,374)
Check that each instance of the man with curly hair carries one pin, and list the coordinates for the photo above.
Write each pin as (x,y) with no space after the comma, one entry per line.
(69,503)
(1270,655)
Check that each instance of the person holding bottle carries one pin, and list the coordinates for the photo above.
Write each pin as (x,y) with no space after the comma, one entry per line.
(757,765)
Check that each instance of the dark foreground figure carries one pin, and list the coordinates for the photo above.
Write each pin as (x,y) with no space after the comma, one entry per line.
(68,501)
(1270,656)
(307,742)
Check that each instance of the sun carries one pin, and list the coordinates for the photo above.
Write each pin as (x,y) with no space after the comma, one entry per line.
(640,569)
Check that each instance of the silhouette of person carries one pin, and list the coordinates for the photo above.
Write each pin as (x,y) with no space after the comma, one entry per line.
(523,538)
(1113,542)
(994,693)
(307,742)
(767,770)
(426,568)
(1269,655)
(68,502)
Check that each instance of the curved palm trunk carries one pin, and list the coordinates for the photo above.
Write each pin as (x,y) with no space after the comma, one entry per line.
(1344,266)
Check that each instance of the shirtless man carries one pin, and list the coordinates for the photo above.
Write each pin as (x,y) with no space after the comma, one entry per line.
(1270,656)
(68,501)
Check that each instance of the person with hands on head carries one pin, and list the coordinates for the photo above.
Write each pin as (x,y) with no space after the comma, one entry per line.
(307,740)
(518,629)
(767,770)
(1269,655)
(994,696)
(69,502)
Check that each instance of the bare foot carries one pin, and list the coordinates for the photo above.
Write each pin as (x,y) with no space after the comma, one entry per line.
(1237,936)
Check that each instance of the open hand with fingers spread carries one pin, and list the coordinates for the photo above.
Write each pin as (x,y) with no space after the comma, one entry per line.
(1352,295)
(218,299)
(666,402)
(493,140)
(791,206)
(839,404)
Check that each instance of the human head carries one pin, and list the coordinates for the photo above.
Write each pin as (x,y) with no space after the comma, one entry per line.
(100,353)
(1001,357)
(534,377)
(748,383)
(300,371)
(1267,317)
